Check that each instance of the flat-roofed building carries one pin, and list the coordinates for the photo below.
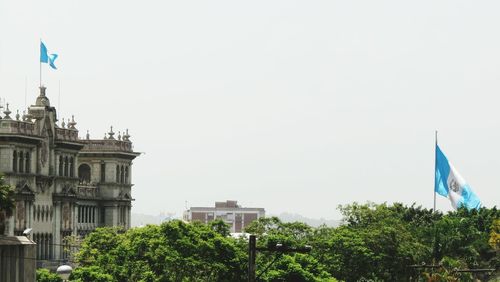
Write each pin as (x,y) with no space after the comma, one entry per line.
(230,212)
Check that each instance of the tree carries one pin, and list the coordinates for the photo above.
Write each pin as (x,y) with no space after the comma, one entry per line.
(6,203)
(44,275)
(288,267)
(377,242)
(90,274)
(173,251)
(494,240)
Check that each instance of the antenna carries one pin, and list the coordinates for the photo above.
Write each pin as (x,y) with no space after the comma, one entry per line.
(25,89)
(59,98)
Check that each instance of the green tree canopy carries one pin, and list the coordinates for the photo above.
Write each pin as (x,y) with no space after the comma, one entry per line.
(6,203)
(376,242)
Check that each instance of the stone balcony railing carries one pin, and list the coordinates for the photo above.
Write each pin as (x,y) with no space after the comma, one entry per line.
(67,134)
(17,127)
(107,145)
(88,190)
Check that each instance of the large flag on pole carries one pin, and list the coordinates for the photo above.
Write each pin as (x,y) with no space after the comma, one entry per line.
(449,183)
(45,57)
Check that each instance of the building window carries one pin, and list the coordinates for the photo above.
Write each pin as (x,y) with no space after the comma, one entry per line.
(117,174)
(122,178)
(103,172)
(103,215)
(14,161)
(21,162)
(61,163)
(79,214)
(84,173)
(65,166)
(71,167)
(126,174)
(28,162)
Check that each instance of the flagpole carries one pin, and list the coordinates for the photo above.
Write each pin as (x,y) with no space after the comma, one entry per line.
(40,63)
(25,89)
(40,74)
(435,164)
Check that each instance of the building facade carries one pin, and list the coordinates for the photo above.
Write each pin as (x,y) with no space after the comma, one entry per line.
(230,212)
(64,185)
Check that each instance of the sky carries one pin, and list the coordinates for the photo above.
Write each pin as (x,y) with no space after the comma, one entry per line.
(293,106)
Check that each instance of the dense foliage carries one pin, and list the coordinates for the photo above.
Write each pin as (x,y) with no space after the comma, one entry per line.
(6,203)
(44,275)
(376,242)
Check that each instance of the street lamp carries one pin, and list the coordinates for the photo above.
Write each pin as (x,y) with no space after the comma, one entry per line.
(64,271)
(279,249)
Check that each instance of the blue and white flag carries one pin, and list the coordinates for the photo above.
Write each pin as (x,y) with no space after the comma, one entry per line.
(45,57)
(449,183)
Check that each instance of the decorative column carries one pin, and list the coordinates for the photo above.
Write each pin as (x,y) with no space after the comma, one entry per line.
(11,225)
(128,216)
(56,237)
(115,215)
(75,219)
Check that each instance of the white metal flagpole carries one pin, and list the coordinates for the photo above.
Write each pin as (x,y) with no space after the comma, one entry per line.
(435,166)
(40,62)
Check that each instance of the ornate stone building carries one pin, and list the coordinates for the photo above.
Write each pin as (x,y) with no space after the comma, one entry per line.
(64,185)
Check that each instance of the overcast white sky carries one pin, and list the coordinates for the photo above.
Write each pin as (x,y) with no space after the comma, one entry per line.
(294,106)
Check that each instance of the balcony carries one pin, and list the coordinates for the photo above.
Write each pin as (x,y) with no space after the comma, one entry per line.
(107,145)
(88,190)
(66,134)
(17,127)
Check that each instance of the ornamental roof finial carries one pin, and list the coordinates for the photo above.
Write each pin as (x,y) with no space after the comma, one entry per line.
(111,133)
(7,112)
(72,123)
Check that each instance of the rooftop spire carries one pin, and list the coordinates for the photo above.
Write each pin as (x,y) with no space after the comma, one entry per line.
(126,136)
(111,133)
(7,112)
(42,100)
(72,123)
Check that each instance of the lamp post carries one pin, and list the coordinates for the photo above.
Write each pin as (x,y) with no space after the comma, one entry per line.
(279,249)
(64,271)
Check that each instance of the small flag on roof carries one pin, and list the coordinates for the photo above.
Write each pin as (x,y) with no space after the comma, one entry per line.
(45,57)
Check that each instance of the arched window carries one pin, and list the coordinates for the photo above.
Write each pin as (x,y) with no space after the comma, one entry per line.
(103,171)
(122,175)
(117,174)
(65,166)
(84,173)
(71,167)
(61,164)
(14,161)
(28,162)
(126,174)
(21,162)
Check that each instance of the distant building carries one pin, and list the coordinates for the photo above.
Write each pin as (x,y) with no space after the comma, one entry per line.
(229,211)
(65,185)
